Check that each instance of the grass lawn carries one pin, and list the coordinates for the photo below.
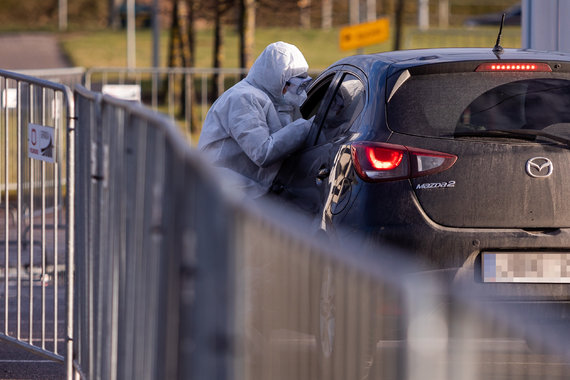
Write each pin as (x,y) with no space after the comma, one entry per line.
(107,48)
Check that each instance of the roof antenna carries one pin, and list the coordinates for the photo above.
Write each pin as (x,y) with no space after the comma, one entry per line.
(498,49)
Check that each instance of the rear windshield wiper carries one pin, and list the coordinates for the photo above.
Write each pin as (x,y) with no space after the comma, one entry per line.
(526,134)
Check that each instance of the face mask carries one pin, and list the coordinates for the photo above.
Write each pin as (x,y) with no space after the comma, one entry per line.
(294,99)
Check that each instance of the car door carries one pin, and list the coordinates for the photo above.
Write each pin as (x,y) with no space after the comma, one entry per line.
(336,101)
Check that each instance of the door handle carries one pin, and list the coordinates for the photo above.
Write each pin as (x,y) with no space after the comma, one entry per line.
(323,173)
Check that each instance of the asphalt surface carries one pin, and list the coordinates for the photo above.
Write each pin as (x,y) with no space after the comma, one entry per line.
(23,51)
(18,363)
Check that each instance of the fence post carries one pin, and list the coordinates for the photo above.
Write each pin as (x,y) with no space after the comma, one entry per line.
(70,238)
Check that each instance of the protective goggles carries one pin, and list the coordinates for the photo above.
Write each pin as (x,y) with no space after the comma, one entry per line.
(298,84)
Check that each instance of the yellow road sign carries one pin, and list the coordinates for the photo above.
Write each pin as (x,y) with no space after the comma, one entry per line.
(368,33)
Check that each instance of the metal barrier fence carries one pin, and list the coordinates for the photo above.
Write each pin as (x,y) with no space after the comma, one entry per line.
(35,119)
(131,234)
(178,278)
(68,76)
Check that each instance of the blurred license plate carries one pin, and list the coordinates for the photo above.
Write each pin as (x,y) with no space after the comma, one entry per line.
(528,267)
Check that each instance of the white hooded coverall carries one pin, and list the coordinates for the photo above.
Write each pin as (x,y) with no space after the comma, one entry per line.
(242,133)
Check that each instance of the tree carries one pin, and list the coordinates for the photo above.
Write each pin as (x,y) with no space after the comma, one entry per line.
(305,11)
(246,21)
(113,14)
(179,46)
(181,54)
(327,10)
(220,8)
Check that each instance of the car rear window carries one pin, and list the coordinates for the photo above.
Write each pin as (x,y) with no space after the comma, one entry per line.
(440,105)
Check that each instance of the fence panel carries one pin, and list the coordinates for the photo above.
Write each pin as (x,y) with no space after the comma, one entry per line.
(184,94)
(36,117)
(68,76)
(129,235)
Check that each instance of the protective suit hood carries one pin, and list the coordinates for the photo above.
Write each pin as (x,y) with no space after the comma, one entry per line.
(278,63)
(243,134)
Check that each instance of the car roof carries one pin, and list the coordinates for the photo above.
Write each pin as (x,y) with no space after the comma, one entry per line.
(411,58)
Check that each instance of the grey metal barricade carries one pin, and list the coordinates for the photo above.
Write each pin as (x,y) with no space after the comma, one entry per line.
(36,119)
(68,76)
(177,277)
(130,238)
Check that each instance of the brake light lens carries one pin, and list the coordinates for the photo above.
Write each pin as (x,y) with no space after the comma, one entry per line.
(384,159)
(376,162)
(513,66)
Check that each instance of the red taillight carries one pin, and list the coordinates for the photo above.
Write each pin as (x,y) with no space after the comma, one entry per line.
(384,159)
(513,66)
(389,162)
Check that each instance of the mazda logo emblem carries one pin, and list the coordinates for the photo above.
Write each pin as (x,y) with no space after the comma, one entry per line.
(539,167)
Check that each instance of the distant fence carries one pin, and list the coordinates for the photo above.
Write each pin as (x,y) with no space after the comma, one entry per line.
(184,94)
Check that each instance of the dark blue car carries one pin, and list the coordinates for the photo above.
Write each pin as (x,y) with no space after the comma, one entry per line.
(460,156)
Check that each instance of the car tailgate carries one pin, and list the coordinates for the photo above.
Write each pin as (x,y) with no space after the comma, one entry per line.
(499,185)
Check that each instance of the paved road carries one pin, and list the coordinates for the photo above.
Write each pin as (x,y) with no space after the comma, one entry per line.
(23,51)
(18,363)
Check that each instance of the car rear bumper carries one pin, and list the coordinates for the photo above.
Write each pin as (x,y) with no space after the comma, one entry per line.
(457,251)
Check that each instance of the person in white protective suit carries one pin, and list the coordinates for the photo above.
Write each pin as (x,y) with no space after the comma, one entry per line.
(255,124)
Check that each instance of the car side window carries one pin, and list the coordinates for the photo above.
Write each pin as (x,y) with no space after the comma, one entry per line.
(346,105)
(315,98)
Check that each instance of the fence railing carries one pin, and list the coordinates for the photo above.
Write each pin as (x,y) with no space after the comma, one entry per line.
(68,76)
(184,94)
(35,118)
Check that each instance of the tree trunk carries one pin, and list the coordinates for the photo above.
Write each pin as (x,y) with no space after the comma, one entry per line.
(399,21)
(327,10)
(354,12)
(443,13)
(183,23)
(192,7)
(174,39)
(112,16)
(218,79)
(305,11)
(371,10)
(246,21)
(180,55)
(189,83)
